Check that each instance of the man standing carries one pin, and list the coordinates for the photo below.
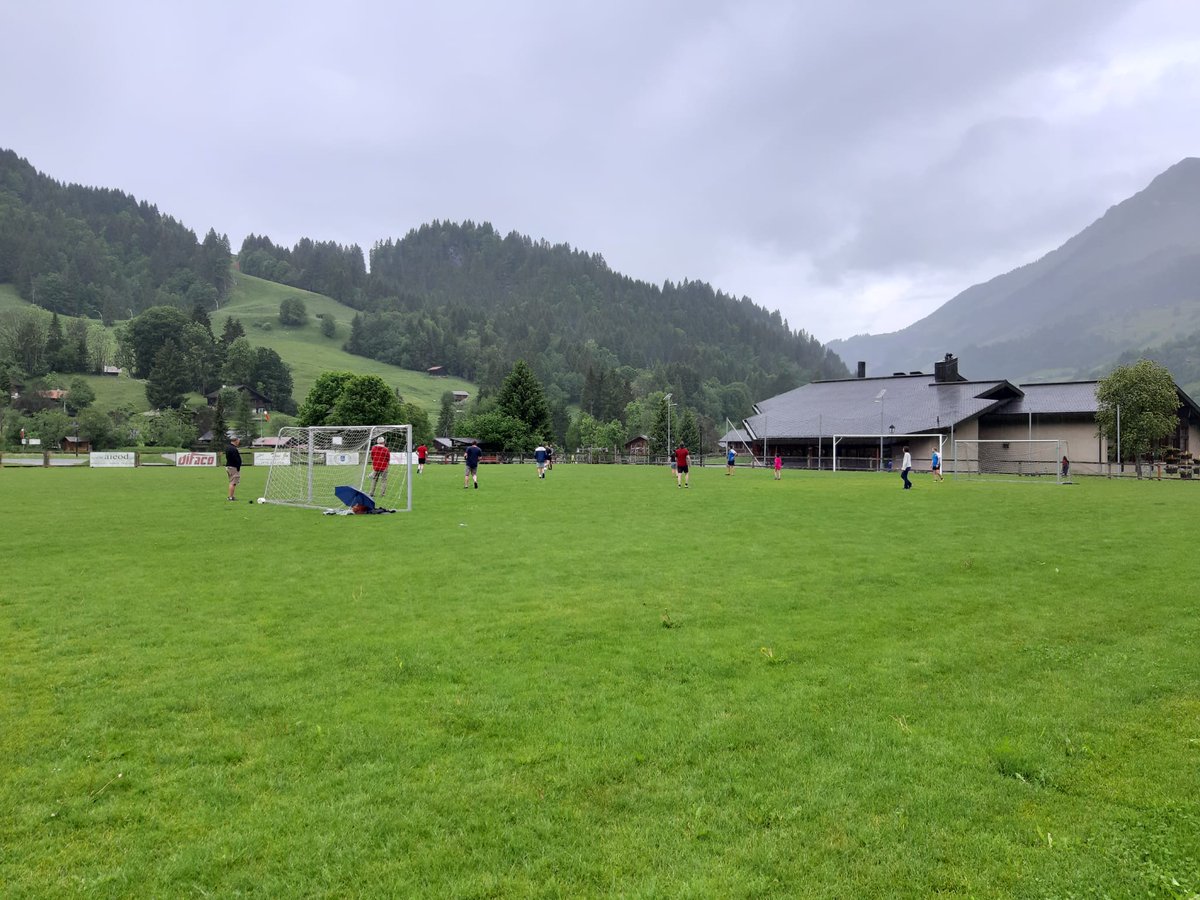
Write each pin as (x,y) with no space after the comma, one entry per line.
(730,459)
(936,465)
(422,452)
(681,467)
(905,468)
(233,466)
(540,455)
(381,457)
(473,454)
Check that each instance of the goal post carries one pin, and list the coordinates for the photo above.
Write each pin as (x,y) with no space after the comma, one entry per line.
(308,463)
(1024,460)
(927,442)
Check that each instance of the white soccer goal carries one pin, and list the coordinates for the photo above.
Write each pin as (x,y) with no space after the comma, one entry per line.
(929,442)
(308,463)
(1011,460)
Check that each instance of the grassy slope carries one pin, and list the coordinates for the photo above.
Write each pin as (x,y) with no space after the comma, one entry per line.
(256,303)
(966,690)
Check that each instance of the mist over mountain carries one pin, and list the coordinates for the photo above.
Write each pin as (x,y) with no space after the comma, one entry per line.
(1126,284)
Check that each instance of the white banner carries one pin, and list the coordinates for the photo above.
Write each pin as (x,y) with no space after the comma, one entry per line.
(112,460)
(333,458)
(278,458)
(195,459)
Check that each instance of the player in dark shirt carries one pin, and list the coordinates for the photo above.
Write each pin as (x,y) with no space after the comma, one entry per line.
(472,472)
(233,466)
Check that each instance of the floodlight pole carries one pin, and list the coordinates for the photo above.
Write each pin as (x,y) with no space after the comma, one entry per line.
(1120,462)
(879,400)
(667,400)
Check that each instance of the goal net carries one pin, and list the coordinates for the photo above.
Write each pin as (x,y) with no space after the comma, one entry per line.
(1011,460)
(308,463)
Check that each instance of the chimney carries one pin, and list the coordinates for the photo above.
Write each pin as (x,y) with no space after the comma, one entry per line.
(862,369)
(946,370)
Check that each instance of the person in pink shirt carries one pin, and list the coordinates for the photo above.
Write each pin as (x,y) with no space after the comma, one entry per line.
(778,464)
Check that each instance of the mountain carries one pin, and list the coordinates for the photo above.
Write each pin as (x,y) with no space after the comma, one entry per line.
(100,253)
(1127,282)
(463,296)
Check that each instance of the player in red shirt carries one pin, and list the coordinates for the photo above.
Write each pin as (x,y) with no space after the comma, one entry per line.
(681,466)
(422,451)
(380,458)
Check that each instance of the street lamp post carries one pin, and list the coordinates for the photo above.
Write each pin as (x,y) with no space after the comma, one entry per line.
(879,400)
(667,400)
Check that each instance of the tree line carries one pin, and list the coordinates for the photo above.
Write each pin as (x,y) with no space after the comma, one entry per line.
(463,297)
(100,253)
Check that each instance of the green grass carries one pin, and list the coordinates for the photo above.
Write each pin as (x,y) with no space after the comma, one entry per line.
(255,303)
(598,685)
(10,299)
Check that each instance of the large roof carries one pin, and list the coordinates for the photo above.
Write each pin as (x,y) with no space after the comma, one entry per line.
(913,404)
(1060,397)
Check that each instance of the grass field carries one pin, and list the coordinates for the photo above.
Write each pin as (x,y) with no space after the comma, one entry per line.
(599,684)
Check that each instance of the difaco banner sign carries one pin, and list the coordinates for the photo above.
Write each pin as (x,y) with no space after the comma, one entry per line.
(112,460)
(195,459)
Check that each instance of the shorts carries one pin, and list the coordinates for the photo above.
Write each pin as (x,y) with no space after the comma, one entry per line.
(235,475)
(471,469)
(682,470)
(420,460)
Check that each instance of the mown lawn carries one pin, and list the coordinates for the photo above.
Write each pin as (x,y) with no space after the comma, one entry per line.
(599,684)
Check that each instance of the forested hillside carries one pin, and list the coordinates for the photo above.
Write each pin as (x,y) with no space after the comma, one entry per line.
(1127,282)
(464,297)
(100,253)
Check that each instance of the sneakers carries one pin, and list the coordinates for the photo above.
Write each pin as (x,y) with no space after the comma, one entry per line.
(477,485)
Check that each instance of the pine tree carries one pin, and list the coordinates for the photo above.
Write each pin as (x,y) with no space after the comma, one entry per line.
(169,380)
(521,396)
(232,331)
(445,422)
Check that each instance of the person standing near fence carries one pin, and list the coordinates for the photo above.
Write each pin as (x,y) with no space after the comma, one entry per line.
(905,468)
(936,465)
(778,465)
(730,459)
(233,465)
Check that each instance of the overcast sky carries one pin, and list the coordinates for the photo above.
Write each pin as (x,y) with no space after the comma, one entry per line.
(852,164)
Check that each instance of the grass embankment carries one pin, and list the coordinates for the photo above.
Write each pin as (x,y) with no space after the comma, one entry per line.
(599,684)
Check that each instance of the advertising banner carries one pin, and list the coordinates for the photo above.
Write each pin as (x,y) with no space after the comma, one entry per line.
(278,458)
(195,459)
(112,460)
(334,458)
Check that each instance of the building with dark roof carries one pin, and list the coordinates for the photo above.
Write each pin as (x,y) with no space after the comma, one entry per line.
(864,422)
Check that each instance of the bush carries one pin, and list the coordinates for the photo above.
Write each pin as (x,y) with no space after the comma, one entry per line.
(293,312)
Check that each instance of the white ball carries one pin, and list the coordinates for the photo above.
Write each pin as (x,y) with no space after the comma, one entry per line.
(262,499)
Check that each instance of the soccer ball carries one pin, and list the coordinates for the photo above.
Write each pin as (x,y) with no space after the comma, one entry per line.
(262,499)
